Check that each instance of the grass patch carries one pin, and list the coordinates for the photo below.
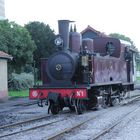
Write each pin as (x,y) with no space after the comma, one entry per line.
(138,78)
(23,93)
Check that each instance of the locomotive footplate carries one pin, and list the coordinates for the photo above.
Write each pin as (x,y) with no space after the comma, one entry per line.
(58,98)
(43,93)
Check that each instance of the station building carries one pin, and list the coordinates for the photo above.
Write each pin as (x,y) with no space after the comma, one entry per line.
(4,75)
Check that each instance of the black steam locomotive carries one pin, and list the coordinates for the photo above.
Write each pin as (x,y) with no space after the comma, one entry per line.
(84,72)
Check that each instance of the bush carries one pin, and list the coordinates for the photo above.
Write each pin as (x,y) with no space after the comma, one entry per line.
(20,81)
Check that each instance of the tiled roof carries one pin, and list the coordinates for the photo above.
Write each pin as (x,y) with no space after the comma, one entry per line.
(93,30)
(5,55)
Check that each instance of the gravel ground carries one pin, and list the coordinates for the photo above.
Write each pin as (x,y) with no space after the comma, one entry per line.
(129,129)
(47,131)
(121,132)
(9,113)
(85,132)
(89,130)
(23,114)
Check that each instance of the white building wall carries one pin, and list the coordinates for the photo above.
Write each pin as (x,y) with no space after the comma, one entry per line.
(134,65)
(3,79)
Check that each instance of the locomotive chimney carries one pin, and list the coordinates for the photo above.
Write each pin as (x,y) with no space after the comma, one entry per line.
(63,26)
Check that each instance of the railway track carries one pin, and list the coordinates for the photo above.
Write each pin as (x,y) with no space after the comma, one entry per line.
(6,128)
(24,126)
(67,130)
(25,123)
(105,131)
(5,133)
(56,135)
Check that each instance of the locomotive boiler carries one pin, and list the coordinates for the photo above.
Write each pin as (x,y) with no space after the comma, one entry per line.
(83,73)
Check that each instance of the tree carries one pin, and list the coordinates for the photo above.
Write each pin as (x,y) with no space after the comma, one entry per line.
(43,37)
(123,37)
(16,41)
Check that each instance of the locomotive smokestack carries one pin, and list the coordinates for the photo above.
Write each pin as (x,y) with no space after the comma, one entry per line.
(63,26)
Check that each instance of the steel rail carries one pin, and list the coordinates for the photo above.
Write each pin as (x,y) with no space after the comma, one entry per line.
(102,133)
(29,129)
(60,133)
(21,124)
(66,130)
(25,121)
(132,99)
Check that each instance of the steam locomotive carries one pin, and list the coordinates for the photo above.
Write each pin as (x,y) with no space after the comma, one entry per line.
(83,73)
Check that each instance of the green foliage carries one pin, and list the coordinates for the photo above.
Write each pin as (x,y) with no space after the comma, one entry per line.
(20,81)
(122,37)
(138,64)
(16,41)
(43,37)
(138,78)
(23,93)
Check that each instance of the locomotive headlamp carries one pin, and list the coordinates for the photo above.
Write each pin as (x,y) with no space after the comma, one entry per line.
(58,41)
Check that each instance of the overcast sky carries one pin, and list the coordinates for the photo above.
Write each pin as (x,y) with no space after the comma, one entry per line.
(109,16)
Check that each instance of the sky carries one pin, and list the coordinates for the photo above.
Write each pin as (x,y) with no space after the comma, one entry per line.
(108,16)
